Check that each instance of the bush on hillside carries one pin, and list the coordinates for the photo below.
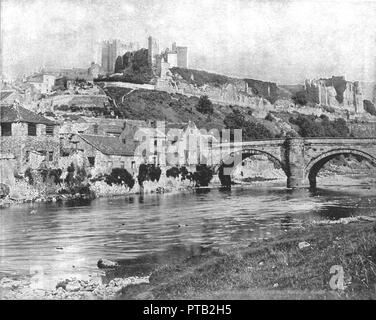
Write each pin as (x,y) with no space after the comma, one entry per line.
(204,105)
(369,107)
(300,98)
(250,130)
(311,126)
(200,78)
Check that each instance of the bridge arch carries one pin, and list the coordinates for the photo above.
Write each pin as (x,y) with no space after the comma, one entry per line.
(315,164)
(245,153)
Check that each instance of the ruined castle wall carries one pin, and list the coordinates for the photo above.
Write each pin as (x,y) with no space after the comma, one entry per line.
(230,93)
(335,92)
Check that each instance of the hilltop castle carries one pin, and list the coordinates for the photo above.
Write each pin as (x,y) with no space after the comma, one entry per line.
(111,49)
(176,56)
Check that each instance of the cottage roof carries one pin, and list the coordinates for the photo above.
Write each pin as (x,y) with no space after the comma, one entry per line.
(107,144)
(5,94)
(16,113)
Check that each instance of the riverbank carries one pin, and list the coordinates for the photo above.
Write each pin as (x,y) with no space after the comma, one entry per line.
(99,189)
(296,265)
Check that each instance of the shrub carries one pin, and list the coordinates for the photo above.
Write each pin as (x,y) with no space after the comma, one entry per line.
(120,176)
(300,98)
(76,180)
(51,173)
(173,172)
(29,176)
(203,175)
(369,107)
(204,105)
(310,126)
(250,130)
(148,172)
(269,117)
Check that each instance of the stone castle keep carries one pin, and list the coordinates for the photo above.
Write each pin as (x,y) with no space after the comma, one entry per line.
(114,51)
(111,49)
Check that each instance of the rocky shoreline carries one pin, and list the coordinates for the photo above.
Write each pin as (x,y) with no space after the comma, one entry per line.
(68,289)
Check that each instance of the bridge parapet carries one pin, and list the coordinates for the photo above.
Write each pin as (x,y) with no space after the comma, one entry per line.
(302,158)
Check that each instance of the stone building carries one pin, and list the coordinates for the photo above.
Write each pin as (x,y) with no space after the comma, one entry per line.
(7,171)
(103,153)
(43,82)
(144,140)
(189,145)
(170,58)
(182,57)
(111,49)
(29,137)
(153,51)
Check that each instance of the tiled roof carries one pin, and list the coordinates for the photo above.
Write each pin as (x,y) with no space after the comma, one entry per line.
(15,113)
(107,144)
(5,94)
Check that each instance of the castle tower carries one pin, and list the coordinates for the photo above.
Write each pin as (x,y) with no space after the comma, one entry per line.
(111,49)
(153,50)
(182,57)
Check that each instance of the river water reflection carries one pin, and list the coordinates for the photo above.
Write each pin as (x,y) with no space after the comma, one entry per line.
(65,239)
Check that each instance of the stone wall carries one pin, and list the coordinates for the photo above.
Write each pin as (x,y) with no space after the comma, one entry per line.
(233,93)
(335,92)
(7,170)
(20,144)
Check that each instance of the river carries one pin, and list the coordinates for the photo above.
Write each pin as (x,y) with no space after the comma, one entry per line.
(52,241)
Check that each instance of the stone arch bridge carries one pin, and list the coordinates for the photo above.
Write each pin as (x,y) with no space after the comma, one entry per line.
(300,158)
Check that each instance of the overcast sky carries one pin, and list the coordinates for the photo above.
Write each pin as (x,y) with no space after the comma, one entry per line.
(282,41)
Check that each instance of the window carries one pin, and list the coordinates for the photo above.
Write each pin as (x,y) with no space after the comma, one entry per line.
(31,129)
(49,130)
(50,156)
(133,164)
(122,164)
(95,129)
(27,156)
(6,129)
(155,147)
(91,161)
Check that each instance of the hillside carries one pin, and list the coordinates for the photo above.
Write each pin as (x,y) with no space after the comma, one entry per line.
(159,105)
(172,107)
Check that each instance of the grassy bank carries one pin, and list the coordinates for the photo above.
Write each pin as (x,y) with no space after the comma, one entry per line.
(273,269)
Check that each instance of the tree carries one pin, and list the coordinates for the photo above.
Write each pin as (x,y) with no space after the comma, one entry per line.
(172,172)
(203,175)
(120,176)
(308,127)
(205,106)
(369,107)
(300,98)
(250,129)
(148,172)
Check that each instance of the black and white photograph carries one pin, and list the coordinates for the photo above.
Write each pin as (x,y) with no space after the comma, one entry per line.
(218,150)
